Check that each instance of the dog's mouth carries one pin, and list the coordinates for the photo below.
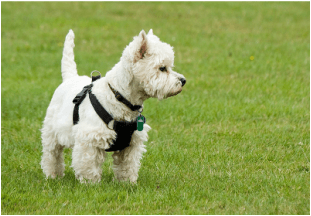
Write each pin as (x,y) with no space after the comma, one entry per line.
(173,93)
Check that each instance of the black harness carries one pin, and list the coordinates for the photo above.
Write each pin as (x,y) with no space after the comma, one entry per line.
(124,129)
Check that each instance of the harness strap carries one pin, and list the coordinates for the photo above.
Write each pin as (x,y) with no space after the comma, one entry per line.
(78,100)
(122,99)
(99,109)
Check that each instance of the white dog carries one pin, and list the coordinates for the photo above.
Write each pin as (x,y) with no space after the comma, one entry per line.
(144,71)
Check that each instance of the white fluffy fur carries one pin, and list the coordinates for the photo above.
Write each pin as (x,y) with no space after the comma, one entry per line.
(137,77)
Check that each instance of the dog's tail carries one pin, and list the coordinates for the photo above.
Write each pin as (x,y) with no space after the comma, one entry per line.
(68,67)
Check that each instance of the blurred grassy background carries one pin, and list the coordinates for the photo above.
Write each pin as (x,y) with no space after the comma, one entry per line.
(235,141)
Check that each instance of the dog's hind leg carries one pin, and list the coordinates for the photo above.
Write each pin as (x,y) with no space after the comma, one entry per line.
(52,162)
(87,162)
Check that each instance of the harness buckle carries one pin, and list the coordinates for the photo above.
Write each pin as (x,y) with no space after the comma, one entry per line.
(82,94)
(76,99)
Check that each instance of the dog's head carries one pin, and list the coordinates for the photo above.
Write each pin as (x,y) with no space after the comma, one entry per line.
(151,63)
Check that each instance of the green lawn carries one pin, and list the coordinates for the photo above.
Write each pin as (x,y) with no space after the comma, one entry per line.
(235,141)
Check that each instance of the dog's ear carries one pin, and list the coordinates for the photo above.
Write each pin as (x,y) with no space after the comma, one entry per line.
(150,32)
(142,46)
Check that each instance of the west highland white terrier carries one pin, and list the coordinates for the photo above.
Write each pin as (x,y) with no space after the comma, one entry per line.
(106,114)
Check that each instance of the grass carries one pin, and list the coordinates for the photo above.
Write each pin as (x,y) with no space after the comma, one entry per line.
(235,141)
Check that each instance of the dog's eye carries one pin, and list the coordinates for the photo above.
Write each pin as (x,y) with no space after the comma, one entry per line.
(162,68)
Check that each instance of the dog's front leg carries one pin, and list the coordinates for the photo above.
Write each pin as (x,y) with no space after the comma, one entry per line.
(87,161)
(127,162)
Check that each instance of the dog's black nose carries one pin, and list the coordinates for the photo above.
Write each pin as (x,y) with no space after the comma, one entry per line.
(183,81)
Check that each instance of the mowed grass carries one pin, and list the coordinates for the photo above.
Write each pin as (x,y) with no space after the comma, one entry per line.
(235,141)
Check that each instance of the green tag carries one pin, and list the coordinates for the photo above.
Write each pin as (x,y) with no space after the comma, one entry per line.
(140,122)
